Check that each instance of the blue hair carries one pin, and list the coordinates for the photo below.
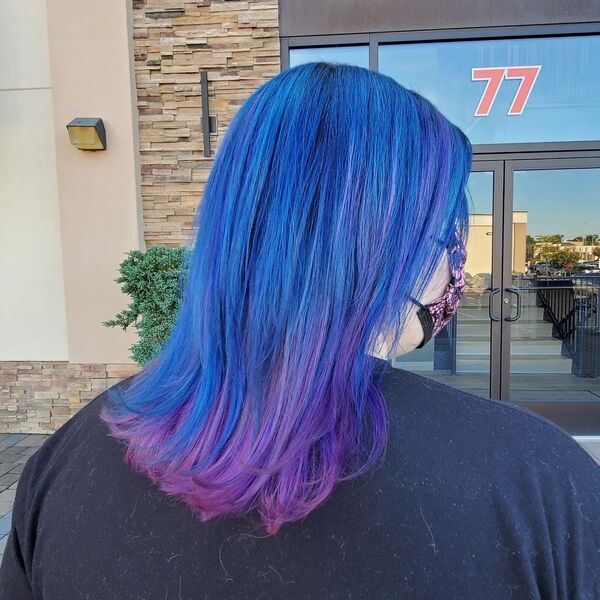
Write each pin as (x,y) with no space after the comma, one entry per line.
(320,218)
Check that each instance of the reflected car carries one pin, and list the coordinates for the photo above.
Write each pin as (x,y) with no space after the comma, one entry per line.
(544,268)
(479,283)
(586,268)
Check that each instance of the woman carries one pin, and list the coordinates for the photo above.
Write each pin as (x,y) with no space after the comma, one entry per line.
(267,452)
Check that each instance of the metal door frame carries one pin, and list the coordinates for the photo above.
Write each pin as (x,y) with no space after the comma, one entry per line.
(511,165)
(503,167)
(495,370)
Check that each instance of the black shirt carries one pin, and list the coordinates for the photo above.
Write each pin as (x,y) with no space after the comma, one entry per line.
(476,499)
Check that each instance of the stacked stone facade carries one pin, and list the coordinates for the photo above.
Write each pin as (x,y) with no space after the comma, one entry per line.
(237,43)
(38,397)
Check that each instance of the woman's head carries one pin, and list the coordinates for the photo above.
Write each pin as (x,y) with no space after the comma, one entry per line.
(329,204)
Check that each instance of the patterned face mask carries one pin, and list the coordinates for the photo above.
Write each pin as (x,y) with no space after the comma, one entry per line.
(435,315)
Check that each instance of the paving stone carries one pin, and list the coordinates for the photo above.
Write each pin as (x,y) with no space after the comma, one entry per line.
(7,496)
(15,451)
(11,454)
(5,524)
(7,467)
(8,479)
(28,451)
(32,441)
(10,439)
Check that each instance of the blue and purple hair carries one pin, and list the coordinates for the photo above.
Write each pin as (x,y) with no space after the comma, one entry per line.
(329,203)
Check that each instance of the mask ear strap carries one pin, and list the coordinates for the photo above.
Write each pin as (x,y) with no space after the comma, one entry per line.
(426,321)
(418,303)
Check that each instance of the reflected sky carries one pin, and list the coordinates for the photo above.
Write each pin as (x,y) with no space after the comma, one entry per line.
(480,192)
(352,55)
(564,104)
(565,201)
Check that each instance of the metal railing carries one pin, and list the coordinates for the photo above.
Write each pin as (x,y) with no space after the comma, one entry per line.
(572,305)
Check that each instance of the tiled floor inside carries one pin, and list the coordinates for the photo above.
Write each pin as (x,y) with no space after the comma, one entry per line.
(15,449)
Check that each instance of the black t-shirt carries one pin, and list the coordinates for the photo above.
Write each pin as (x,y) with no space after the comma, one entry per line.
(476,499)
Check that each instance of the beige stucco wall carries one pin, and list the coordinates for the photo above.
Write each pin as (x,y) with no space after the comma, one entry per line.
(100,217)
(479,244)
(33,321)
(519,242)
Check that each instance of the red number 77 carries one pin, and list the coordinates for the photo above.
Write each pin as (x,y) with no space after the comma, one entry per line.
(494,76)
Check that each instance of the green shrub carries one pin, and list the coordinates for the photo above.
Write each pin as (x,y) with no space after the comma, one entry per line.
(154,280)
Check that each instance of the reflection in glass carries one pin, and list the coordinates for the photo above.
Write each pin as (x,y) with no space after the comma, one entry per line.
(557,209)
(353,55)
(555,344)
(460,354)
(560,102)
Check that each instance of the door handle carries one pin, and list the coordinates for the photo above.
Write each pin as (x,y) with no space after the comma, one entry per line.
(515,291)
(493,292)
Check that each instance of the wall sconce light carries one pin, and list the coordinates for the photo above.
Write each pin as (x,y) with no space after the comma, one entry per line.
(209,122)
(87,133)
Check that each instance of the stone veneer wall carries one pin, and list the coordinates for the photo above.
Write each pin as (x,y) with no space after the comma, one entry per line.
(238,44)
(38,397)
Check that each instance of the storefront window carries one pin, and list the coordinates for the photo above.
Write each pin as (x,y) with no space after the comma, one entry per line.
(507,91)
(353,55)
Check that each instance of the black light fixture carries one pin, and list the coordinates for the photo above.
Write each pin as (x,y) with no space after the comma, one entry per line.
(209,122)
(87,133)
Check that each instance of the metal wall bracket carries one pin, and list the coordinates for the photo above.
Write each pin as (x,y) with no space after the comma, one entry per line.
(209,123)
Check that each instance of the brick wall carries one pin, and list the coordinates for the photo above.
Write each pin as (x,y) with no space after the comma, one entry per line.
(238,44)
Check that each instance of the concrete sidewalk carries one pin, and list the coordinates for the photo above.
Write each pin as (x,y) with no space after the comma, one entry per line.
(15,449)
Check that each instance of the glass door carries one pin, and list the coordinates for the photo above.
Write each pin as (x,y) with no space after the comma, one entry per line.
(466,353)
(551,290)
(528,328)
